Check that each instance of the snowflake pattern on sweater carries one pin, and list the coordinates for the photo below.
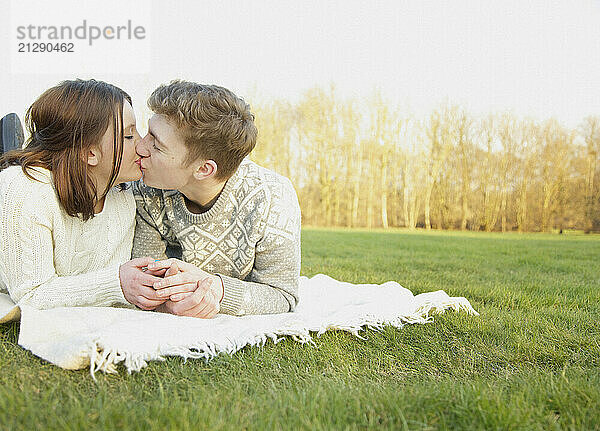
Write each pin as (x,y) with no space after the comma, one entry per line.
(250,237)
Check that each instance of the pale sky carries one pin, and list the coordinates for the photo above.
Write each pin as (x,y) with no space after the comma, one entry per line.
(538,58)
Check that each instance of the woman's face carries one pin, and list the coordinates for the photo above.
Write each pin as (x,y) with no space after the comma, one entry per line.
(130,169)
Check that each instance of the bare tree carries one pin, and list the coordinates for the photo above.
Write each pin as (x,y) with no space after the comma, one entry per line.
(363,164)
(590,130)
(554,158)
(438,143)
(526,154)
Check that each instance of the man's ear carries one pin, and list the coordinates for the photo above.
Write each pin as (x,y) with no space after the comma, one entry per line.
(205,170)
(93,156)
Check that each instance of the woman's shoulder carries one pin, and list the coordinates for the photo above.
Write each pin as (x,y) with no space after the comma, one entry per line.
(20,194)
(14,182)
(122,196)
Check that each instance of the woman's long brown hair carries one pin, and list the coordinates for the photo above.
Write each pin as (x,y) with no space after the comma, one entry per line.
(63,124)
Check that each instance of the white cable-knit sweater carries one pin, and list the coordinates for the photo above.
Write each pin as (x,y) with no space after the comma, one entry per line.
(49,259)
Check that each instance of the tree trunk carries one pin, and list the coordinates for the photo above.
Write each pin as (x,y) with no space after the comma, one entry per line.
(428,207)
(522,219)
(503,209)
(370,194)
(384,219)
(590,202)
(406,196)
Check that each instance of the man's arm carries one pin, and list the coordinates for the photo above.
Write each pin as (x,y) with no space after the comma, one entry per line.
(272,285)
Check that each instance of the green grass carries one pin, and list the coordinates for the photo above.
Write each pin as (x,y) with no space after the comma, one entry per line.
(529,361)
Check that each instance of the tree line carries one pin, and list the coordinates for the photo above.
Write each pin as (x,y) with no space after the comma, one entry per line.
(369,165)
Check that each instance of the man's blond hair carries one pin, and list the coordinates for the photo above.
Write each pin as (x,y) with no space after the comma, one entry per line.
(214,123)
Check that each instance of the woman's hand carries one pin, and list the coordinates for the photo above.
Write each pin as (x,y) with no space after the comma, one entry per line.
(137,284)
(192,291)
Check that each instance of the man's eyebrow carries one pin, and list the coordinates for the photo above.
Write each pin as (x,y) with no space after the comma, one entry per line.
(128,126)
(154,135)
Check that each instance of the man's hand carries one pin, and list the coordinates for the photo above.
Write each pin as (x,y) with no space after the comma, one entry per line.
(137,284)
(200,303)
(192,291)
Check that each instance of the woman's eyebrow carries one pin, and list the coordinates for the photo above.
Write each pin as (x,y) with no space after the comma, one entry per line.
(129,126)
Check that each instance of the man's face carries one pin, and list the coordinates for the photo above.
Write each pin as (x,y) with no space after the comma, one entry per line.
(163,154)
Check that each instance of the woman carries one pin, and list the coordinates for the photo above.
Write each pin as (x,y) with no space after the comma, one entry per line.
(65,229)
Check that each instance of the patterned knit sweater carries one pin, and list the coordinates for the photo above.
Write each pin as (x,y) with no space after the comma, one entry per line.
(250,237)
(49,259)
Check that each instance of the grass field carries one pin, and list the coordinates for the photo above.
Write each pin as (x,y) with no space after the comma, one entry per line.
(529,361)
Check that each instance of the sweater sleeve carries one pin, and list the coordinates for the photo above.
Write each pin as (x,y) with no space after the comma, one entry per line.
(147,240)
(272,285)
(27,261)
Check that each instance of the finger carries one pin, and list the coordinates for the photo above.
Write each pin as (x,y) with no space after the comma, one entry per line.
(183,266)
(160,264)
(146,279)
(147,292)
(211,309)
(212,314)
(174,280)
(180,296)
(172,270)
(141,261)
(195,298)
(202,310)
(180,288)
(156,272)
(147,302)
(188,306)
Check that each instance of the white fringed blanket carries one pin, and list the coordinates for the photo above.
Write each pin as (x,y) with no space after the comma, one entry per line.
(102,337)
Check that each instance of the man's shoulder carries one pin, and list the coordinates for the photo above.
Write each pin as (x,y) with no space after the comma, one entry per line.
(142,191)
(266,187)
(256,176)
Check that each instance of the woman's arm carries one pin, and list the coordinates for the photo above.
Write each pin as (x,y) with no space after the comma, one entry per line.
(27,259)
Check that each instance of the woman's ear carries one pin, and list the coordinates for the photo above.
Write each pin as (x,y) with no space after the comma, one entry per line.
(93,156)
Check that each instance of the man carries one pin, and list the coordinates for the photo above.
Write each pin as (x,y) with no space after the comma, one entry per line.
(234,225)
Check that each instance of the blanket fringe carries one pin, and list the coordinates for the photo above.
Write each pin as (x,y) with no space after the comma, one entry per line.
(106,360)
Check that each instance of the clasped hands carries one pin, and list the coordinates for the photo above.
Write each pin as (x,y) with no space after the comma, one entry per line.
(171,286)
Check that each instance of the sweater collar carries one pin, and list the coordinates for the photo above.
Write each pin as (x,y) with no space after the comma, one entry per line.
(218,207)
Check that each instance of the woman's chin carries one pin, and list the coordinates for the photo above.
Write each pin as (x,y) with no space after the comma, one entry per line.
(134,176)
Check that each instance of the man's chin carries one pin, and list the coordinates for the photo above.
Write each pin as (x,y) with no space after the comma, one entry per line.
(145,180)
(148,181)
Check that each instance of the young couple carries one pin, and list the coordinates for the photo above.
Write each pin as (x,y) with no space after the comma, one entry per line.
(92,214)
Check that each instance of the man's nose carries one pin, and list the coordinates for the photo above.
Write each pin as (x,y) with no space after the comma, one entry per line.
(141,148)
